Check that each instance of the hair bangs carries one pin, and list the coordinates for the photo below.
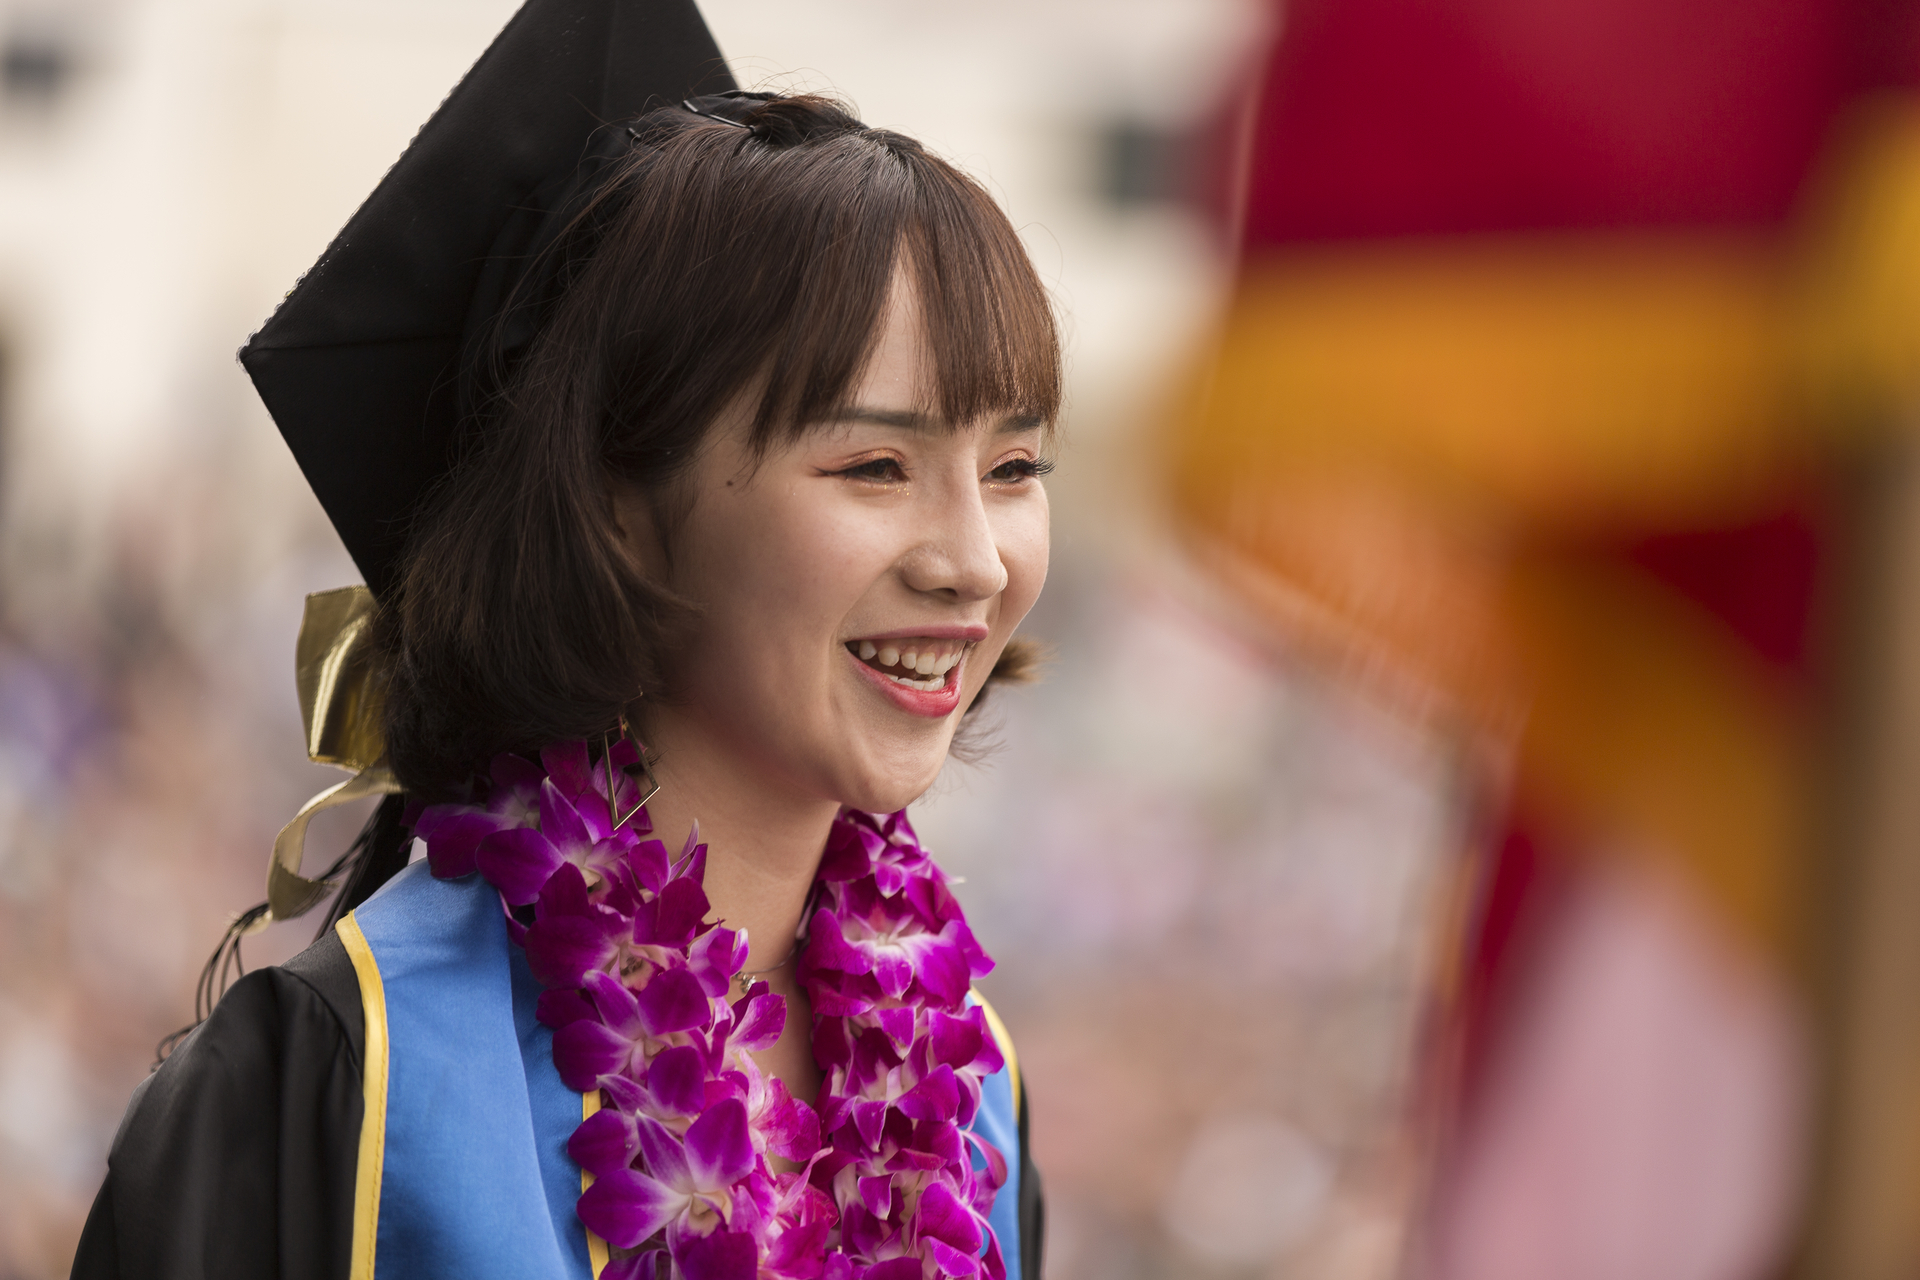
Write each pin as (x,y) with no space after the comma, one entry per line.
(988,323)
(985,316)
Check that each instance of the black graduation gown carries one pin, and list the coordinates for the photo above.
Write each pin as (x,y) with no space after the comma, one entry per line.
(238,1156)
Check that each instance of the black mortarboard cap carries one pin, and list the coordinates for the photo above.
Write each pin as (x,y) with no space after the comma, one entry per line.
(360,364)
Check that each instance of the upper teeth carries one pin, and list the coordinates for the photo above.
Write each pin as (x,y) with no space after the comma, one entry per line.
(927,657)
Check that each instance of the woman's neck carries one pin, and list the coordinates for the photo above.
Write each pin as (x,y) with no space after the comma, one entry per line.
(763,848)
(763,842)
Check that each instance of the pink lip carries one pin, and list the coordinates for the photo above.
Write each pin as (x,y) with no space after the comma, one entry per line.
(931,703)
(976,632)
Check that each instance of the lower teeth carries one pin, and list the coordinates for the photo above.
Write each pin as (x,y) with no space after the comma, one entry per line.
(930,684)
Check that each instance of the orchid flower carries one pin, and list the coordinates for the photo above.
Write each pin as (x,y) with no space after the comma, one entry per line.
(689,1183)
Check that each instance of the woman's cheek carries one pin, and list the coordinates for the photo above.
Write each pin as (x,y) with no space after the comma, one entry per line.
(1024,550)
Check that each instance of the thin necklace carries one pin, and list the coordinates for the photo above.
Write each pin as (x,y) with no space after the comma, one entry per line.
(745,976)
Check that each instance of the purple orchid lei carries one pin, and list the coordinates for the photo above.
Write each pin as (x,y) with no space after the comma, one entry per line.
(636,986)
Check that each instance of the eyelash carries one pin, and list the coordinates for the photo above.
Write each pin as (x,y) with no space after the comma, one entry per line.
(893,473)
(890,471)
(1024,468)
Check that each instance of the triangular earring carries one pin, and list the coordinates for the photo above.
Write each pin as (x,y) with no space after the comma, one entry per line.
(634,772)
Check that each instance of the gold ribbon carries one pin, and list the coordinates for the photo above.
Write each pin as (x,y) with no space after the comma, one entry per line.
(340,706)
(333,669)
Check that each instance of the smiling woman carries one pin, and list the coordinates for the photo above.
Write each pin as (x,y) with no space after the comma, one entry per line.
(732,300)
(744,409)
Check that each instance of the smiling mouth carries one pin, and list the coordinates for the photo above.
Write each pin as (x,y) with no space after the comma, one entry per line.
(917,662)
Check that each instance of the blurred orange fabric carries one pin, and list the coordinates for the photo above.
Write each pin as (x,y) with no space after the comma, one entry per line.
(1555,335)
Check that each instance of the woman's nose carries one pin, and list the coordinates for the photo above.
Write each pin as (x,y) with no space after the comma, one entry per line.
(957,554)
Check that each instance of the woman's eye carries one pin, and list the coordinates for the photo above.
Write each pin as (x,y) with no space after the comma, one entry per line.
(1015,470)
(880,470)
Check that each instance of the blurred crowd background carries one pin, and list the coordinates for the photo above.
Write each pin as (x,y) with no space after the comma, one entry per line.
(1467,831)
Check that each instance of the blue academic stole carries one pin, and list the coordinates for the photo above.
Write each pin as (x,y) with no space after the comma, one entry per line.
(463,1166)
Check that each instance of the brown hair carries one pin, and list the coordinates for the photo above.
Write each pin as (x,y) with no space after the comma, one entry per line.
(711,256)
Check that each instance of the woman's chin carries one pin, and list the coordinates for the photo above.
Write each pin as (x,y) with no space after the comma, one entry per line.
(893,789)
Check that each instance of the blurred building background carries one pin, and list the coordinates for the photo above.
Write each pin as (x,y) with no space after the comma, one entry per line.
(1464,831)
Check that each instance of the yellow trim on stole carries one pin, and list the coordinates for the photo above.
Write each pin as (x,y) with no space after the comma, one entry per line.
(373,1080)
(597,1255)
(1005,1040)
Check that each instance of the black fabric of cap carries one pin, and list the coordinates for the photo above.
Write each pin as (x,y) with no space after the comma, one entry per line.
(360,365)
